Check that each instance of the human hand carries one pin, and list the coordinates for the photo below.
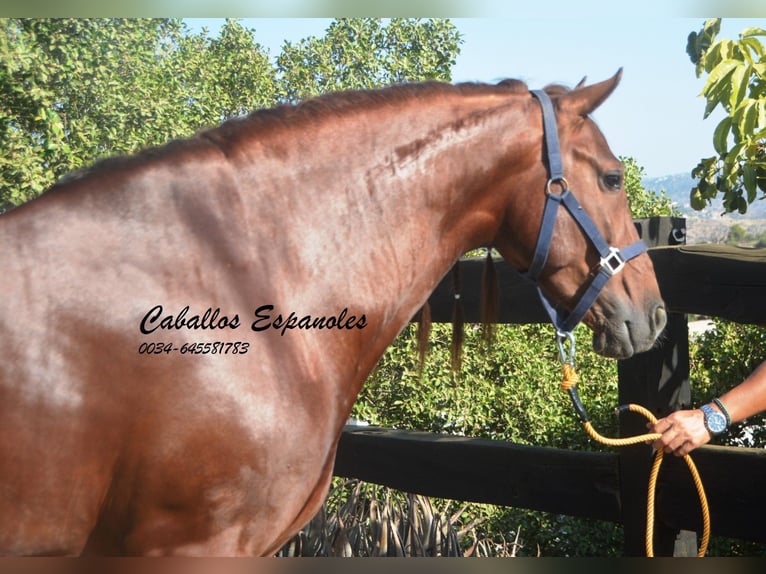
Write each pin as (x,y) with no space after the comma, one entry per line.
(682,432)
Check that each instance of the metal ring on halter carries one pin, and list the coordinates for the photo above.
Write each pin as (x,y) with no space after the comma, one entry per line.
(561,180)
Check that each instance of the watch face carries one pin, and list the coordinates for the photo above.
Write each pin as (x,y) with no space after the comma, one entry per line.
(715,421)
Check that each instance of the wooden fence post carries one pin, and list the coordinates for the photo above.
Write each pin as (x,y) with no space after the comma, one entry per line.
(659,381)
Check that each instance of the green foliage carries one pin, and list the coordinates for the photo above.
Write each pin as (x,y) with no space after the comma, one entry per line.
(645,202)
(736,81)
(546,534)
(507,391)
(366,520)
(738,235)
(75,90)
(358,53)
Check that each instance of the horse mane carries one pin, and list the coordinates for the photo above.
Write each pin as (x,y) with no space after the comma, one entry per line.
(263,121)
(488,311)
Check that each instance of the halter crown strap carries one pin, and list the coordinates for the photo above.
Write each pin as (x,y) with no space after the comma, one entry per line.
(555,166)
(612,260)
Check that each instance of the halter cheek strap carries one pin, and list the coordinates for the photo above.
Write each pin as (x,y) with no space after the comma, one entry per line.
(612,259)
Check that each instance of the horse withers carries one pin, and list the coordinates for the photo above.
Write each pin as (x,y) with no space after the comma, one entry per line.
(185,330)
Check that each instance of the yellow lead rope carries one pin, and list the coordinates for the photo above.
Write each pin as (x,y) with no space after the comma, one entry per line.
(569,384)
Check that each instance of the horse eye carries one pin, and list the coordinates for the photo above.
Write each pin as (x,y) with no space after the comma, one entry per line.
(613,181)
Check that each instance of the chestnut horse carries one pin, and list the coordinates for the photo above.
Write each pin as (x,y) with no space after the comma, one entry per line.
(185,330)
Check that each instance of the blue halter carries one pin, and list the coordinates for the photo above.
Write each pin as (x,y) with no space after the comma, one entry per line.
(612,259)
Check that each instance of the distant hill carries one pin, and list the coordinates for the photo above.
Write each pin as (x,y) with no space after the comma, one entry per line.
(708,225)
(678,187)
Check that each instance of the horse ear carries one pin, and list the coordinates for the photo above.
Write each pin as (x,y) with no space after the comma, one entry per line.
(583,100)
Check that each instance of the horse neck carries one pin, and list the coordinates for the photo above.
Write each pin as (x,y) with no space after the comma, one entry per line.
(417,188)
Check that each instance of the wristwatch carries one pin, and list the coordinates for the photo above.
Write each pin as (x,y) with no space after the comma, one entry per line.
(715,422)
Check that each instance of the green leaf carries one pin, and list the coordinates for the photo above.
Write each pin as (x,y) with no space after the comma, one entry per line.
(698,44)
(755,46)
(721,136)
(761,179)
(718,88)
(749,181)
(697,200)
(747,117)
(719,52)
(753,31)
(741,205)
(719,75)
(716,97)
(693,48)
(740,78)
(736,82)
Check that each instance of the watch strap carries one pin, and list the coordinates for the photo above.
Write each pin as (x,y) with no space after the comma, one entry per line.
(722,408)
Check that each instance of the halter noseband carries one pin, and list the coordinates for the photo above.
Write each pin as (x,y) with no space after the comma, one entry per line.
(612,259)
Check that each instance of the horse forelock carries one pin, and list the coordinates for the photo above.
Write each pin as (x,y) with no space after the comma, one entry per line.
(554,90)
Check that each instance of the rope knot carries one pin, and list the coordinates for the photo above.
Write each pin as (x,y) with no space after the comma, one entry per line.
(571,378)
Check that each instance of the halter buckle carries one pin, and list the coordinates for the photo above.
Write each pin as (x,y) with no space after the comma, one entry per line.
(613,262)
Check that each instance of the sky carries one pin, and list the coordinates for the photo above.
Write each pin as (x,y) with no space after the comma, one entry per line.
(654,116)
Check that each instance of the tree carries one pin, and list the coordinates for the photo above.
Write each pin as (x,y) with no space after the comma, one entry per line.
(736,81)
(75,90)
(360,53)
(737,234)
(645,202)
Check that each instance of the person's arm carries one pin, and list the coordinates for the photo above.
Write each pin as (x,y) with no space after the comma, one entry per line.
(683,431)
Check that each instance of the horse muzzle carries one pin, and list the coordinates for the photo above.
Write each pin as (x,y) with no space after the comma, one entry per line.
(629,330)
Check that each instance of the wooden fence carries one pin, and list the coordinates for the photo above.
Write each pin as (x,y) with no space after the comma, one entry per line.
(711,280)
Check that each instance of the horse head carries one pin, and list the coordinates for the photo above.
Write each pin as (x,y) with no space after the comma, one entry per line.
(586,258)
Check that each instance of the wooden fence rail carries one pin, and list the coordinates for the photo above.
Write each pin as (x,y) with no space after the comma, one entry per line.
(576,483)
(711,280)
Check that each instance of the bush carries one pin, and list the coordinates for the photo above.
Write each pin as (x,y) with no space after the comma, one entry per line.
(507,390)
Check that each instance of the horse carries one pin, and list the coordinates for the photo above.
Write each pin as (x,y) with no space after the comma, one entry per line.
(185,329)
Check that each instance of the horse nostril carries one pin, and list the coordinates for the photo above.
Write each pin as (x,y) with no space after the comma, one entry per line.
(660,318)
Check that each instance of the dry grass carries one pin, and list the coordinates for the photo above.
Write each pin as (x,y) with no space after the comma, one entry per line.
(361,519)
